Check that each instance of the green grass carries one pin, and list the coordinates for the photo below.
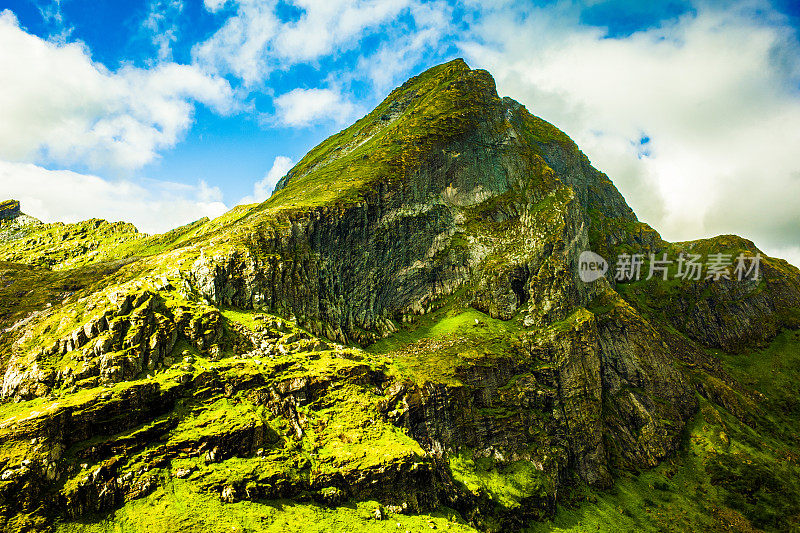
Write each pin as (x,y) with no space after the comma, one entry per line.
(247,318)
(678,495)
(435,345)
(507,484)
(774,371)
(439,104)
(346,434)
(217,418)
(68,246)
(728,475)
(61,246)
(179,506)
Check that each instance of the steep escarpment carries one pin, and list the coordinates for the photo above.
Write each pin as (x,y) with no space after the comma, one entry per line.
(452,190)
(399,331)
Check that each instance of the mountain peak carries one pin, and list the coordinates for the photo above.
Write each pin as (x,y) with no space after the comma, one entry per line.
(422,114)
(443,72)
(402,323)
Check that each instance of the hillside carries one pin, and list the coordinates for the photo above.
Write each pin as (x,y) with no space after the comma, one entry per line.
(397,339)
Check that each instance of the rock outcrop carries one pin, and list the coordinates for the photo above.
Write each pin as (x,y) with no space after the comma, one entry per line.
(402,321)
(9,209)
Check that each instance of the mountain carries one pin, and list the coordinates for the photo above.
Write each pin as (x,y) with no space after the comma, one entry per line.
(399,338)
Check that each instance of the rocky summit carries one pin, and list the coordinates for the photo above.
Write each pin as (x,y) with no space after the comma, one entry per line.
(398,339)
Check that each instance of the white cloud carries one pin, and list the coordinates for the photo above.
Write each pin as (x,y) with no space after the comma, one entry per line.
(61,106)
(331,25)
(263,188)
(214,5)
(398,56)
(53,16)
(255,41)
(715,91)
(66,196)
(301,107)
(161,26)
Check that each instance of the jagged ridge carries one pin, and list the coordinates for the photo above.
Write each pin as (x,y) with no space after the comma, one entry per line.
(441,233)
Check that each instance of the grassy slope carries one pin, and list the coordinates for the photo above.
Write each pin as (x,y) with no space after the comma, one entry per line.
(507,484)
(725,476)
(179,506)
(341,434)
(427,110)
(728,476)
(62,246)
(432,347)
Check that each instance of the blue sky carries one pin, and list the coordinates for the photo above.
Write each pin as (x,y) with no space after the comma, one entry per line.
(162,111)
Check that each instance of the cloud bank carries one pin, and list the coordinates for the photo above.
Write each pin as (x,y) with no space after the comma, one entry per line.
(66,196)
(60,108)
(694,115)
(695,119)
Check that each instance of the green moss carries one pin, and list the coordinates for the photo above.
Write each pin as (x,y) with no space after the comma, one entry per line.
(439,104)
(344,434)
(676,496)
(726,476)
(774,372)
(201,420)
(247,318)
(333,422)
(180,506)
(434,346)
(605,302)
(68,245)
(575,318)
(508,484)
(25,290)
(541,131)
(610,237)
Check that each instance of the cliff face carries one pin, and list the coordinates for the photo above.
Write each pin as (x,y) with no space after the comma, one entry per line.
(480,208)
(402,321)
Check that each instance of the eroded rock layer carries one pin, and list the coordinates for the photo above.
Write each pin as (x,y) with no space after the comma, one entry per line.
(401,322)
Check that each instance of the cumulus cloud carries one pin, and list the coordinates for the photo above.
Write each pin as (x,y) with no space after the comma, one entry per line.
(396,58)
(255,40)
(695,119)
(264,187)
(59,105)
(66,196)
(259,38)
(301,107)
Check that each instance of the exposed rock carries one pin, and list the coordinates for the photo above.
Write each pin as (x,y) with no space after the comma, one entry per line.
(220,358)
(9,209)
